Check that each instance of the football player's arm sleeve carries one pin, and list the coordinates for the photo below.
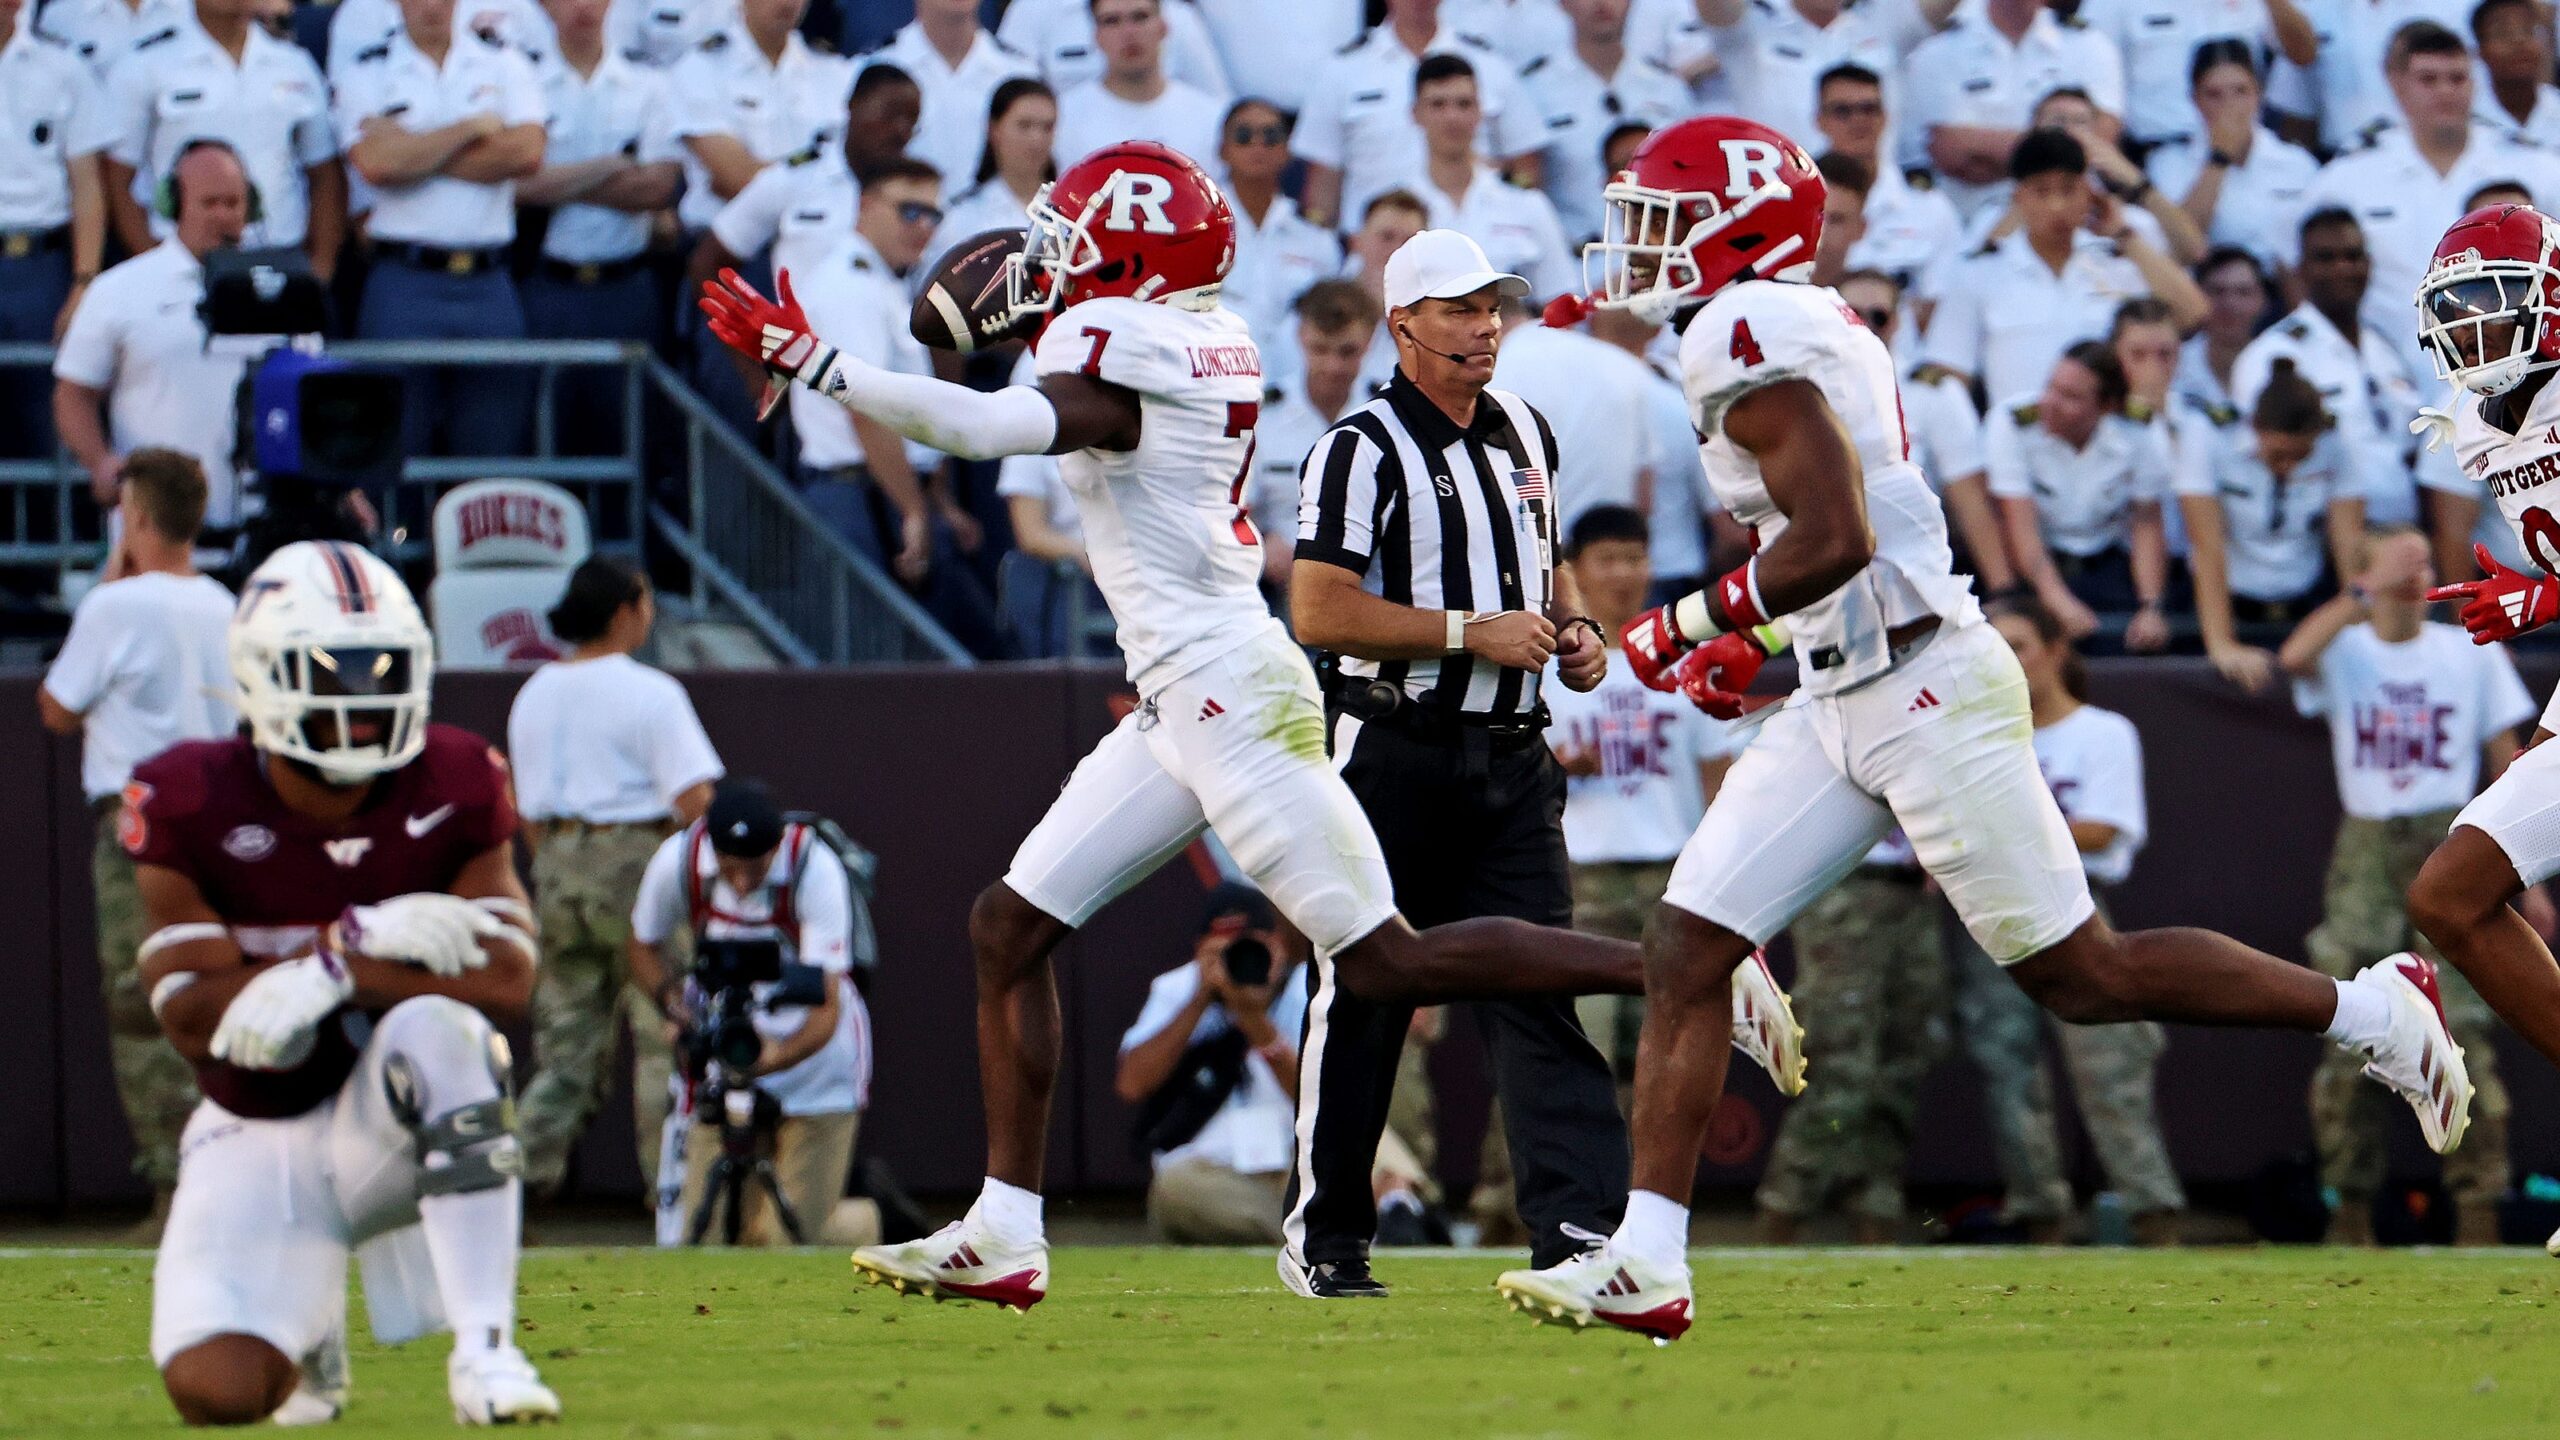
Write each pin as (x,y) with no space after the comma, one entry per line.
(954,419)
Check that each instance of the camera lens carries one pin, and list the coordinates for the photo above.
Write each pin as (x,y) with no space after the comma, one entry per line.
(1248,961)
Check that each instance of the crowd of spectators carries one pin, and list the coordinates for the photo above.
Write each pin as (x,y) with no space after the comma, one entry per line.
(2148,265)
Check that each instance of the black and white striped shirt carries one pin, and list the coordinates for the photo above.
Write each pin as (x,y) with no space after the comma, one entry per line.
(1443,517)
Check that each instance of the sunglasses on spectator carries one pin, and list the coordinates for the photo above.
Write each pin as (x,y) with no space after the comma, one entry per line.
(1259,135)
(918,212)
(1853,109)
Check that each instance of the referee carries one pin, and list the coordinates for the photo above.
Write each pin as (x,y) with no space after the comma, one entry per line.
(1426,568)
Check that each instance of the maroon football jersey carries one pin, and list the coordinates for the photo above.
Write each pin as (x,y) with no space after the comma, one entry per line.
(207,810)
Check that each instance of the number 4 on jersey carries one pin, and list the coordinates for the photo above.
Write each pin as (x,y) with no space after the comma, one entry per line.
(1745,349)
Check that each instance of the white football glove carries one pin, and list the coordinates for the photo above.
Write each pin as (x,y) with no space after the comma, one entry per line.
(437,932)
(272,1022)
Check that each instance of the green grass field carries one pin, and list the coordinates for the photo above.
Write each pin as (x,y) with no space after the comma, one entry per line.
(1159,1343)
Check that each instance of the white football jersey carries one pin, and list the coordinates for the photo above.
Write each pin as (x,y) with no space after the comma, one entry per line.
(1173,550)
(1763,331)
(2522,470)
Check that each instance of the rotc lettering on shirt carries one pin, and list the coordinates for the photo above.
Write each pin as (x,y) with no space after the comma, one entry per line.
(1212,360)
(2404,734)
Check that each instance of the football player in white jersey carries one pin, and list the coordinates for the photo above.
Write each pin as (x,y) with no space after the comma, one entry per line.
(2489,315)
(1910,710)
(1148,393)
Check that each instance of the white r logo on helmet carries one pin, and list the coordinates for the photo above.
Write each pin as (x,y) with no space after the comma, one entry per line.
(1134,190)
(1748,166)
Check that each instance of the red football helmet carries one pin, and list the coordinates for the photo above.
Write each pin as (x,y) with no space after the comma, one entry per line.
(2486,308)
(1136,219)
(1705,202)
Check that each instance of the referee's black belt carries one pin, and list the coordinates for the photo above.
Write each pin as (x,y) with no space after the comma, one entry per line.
(1422,717)
(438,258)
(592,272)
(19,244)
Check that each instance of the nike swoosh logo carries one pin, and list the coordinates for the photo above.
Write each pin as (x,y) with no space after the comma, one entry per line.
(420,824)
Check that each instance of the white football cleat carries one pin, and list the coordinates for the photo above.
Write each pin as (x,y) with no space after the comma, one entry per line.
(497,1387)
(2551,1246)
(960,1261)
(1603,1287)
(320,1394)
(2417,1057)
(1764,1024)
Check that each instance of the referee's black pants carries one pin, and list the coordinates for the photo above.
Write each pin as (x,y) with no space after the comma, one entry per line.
(1472,825)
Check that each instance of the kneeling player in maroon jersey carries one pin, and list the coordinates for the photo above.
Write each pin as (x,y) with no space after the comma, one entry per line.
(334,917)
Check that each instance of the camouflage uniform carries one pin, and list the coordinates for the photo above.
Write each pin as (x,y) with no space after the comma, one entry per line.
(584,880)
(156,1084)
(2113,1068)
(2365,917)
(1871,990)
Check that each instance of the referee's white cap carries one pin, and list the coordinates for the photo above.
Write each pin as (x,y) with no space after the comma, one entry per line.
(1443,265)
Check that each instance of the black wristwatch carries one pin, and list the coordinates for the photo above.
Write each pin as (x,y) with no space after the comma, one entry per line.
(1597,633)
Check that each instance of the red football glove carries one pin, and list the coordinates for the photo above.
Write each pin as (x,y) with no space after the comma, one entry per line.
(1565,311)
(776,336)
(1715,674)
(1654,645)
(2504,603)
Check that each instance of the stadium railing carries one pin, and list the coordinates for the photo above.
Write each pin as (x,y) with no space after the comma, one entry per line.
(753,549)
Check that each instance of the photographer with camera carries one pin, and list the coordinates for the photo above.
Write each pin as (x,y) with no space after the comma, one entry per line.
(775,1040)
(1212,1066)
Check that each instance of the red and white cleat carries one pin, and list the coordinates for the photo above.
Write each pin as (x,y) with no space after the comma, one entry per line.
(960,1261)
(2418,1058)
(1602,1287)
(1764,1025)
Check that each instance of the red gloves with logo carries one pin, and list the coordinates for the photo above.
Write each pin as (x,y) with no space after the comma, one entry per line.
(1715,674)
(1654,645)
(776,336)
(2504,603)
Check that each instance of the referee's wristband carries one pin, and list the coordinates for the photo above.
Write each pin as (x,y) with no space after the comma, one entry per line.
(1457,639)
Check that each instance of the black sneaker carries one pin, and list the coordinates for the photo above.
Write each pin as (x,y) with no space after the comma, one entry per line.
(1330,1279)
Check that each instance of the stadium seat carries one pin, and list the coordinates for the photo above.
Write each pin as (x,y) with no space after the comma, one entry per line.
(504,549)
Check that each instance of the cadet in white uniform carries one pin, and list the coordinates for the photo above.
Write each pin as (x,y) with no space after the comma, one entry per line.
(1775,54)
(2080,489)
(1518,228)
(1135,97)
(748,96)
(2159,38)
(441,123)
(1059,37)
(2345,88)
(1908,225)
(2241,183)
(957,64)
(1587,89)
(1357,132)
(2517,98)
(52,207)
(362,24)
(659,33)
(1275,52)
(1279,252)
(1972,88)
(100,31)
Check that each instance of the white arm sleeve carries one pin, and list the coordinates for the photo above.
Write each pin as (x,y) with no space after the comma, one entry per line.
(953,419)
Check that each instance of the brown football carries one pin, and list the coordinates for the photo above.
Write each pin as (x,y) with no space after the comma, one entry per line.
(962,307)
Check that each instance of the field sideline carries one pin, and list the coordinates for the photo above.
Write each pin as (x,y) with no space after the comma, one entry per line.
(1910,1344)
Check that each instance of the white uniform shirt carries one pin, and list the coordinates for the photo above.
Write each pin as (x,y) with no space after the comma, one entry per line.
(2004,317)
(1090,117)
(1647,798)
(1276,51)
(2084,498)
(608,741)
(1946,434)
(951,130)
(51,114)
(2092,761)
(1581,109)
(1969,74)
(1907,228)
(1681,504)
(1517,228)
(838,1077)
(1774,57)
(1757,333)
(725,87)
(135,336)
(1255,1132)
(177,85)
(1181,569)
(2261,205)
(1275,263)
(2158,40)
(2404,207)
(1283,435)
(2366,386)
(621,108)
(361,24)
(1359,113)
(1594,397)
(2345,87)
(658,33)
(1517,30)
(2197,386)
(2272,533)
(2407,720)
(100,31)
(2541,125)
(147,665)
(1057,36)
(992,205)
(860,305)
(397,80)
(804,208)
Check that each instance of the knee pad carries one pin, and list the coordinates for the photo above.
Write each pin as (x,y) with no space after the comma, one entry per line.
(461,1148)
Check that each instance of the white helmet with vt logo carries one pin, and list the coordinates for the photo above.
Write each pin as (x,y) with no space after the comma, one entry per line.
(332,661)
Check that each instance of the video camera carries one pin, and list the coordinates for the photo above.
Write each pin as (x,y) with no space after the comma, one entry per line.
(725,973)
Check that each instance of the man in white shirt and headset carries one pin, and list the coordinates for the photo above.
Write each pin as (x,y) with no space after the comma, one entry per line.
(745,873)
